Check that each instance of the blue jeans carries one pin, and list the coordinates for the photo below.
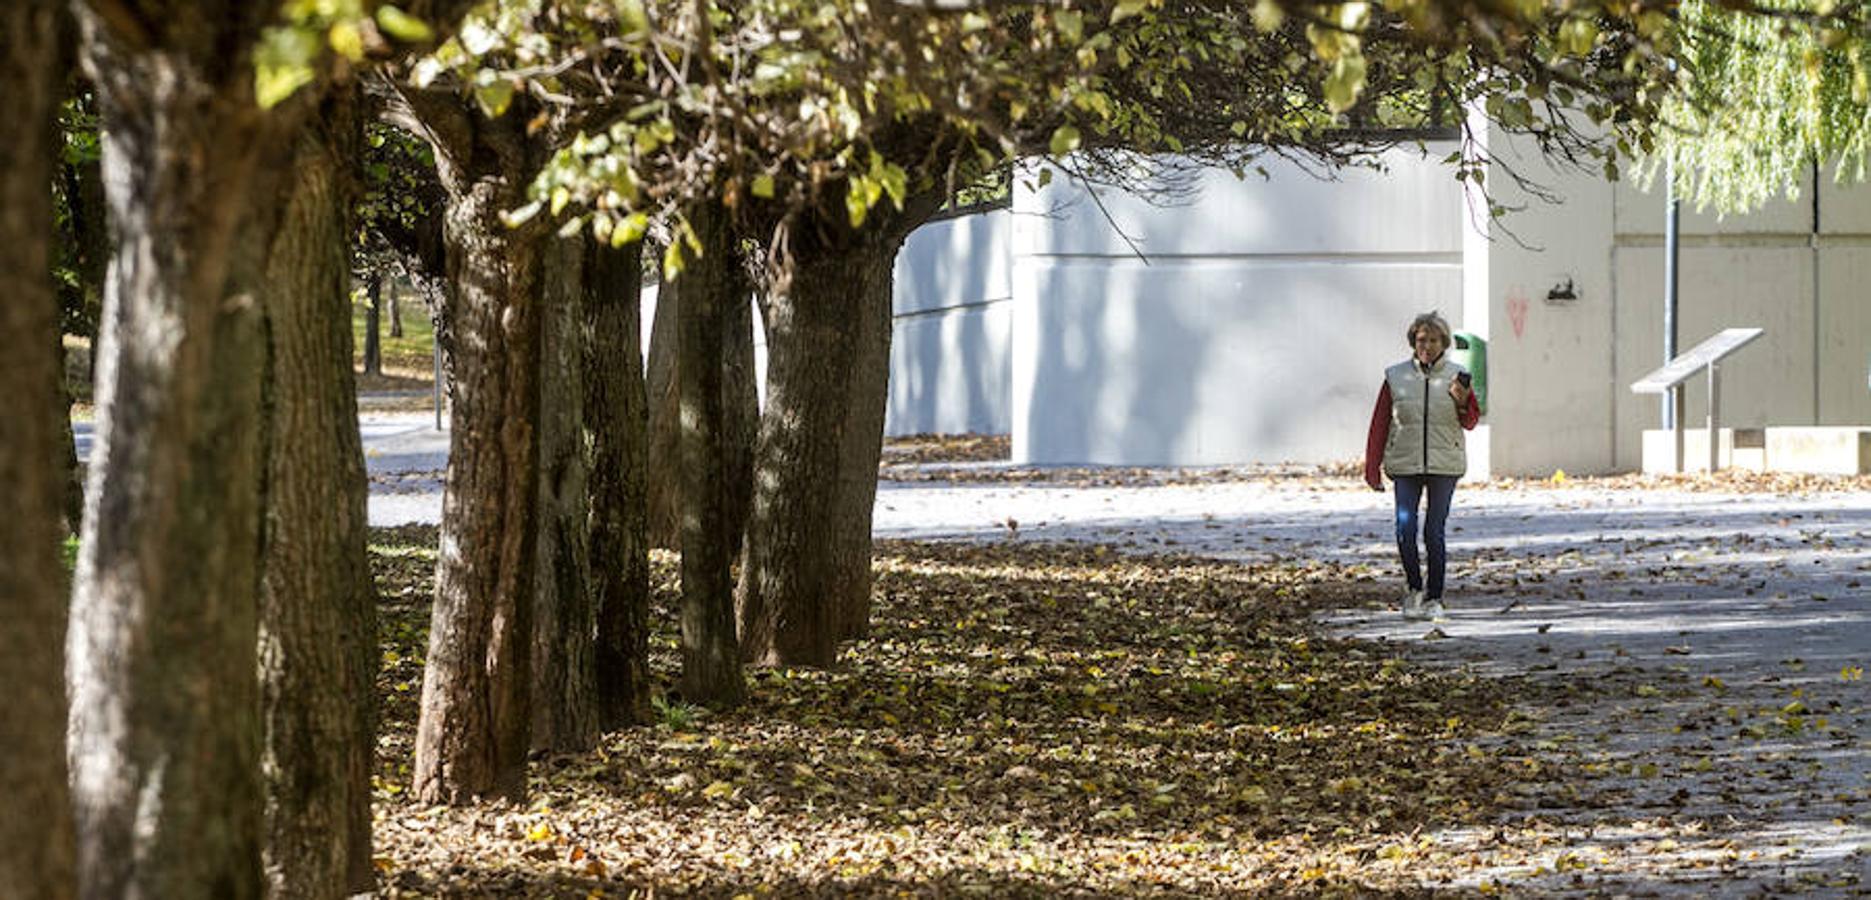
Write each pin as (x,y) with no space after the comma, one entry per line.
(1409,499)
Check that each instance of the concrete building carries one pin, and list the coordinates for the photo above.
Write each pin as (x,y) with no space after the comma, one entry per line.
(1257,323)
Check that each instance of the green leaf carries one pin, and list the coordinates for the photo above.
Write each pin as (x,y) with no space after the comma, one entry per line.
(283,63)
(856,207)
(494,97)
(1127,8)
(634,19)
(673,263)
(1071,25)
(762,186)
(561,196)
(630,229)
(1065,139)
(1346,82)
(272,84)
(403,26)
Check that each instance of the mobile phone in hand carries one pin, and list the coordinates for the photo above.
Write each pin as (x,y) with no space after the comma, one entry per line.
(1466,379)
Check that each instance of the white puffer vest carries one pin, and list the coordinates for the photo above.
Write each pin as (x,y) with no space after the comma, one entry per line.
(1425,429)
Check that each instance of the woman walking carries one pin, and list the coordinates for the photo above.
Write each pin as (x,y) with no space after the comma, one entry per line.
(1416,438)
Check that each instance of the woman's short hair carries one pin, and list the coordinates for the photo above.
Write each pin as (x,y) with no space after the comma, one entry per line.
(1430,319)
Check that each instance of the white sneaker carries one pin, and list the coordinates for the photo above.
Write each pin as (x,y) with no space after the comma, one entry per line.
(1413,605)
(1433,611)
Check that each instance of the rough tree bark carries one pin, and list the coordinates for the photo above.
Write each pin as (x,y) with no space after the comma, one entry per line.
(165,705)
(741,390)
(741,395)
(565,690)
(869,295)
(615,420)
(785,605)
(318,619)
(711,666)
(665,523)
(36,843)
(472,737)
(805,584)
(373,325)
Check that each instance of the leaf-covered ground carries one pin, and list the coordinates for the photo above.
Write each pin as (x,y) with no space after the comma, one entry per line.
(1024,720)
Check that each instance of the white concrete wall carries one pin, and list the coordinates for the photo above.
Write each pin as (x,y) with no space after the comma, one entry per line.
(1257,325)
(1560,376)
(1550,361)
(949,353)
(1257,328)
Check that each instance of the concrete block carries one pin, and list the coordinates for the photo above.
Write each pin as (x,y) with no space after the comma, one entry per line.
(1735,448)
(1824,450)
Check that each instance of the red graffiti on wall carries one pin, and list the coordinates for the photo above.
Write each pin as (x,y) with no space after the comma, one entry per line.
(1517,313)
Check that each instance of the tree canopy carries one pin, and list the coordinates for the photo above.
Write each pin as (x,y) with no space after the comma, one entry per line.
(1766,97)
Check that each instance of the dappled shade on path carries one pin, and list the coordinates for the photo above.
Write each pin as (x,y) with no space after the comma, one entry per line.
(1025,719)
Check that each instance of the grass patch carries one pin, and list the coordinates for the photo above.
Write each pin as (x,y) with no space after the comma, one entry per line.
(407,358)
(1023,720)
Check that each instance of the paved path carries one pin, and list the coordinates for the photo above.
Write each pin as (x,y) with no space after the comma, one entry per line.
(1694,652)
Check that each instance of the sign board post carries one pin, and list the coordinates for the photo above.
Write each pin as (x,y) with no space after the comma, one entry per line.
(1705,356)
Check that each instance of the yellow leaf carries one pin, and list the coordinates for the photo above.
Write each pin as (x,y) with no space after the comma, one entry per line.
(630,229)
(541,832)
(346,40)
(718,790)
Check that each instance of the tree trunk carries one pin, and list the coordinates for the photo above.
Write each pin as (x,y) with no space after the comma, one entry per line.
(36,841)
(741,392)
(373,325)
(165,731)
(615,420)
(806,581)
(787,612)
(396,311)
(665,492)
(472,737)
(711,666)
(565,690)
(741,395)
(318,621)
(868,295)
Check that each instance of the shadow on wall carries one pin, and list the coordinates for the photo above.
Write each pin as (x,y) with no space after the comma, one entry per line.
(949,364)
(1116,368)
(1216,361)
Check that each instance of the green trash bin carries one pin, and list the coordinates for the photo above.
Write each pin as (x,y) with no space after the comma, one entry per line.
(1471,353)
